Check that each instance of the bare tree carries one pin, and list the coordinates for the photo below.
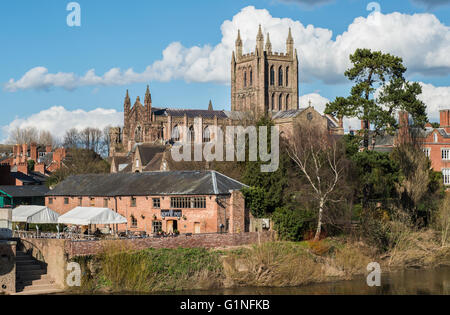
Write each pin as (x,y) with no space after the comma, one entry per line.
(322,160)
(46,138)
(24,135)
(71,139)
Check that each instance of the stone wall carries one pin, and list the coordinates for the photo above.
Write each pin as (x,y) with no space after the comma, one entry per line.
(86,248)
(51,254)
(7,267)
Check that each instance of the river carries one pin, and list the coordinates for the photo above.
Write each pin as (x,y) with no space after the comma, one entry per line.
(410,282)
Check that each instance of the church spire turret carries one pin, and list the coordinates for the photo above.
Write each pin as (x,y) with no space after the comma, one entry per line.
(127,103)
(148,104)
(259,41)
(268,44)
(290,44)
(239,45)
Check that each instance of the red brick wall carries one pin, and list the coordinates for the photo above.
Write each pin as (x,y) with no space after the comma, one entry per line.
(209,218)
(85,248)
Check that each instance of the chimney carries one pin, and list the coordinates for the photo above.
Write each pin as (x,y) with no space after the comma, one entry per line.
(15,149)
(23,168)
(33,152)
(24,152)
(59,155)
(19,154)
(39,168)
(48,148)
(445,119)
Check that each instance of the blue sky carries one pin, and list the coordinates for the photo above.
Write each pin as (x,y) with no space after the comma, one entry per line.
(134,34)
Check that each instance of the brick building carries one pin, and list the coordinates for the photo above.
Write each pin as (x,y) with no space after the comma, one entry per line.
(188,201)
(435,141)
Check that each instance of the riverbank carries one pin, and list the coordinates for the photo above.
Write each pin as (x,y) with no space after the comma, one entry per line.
(272,264)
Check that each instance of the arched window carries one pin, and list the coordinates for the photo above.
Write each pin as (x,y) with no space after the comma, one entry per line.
(251,77)
(245,78)
(280,76)
(288,100)
(287,76)
(206,135)
(280,102)
(272,76)
(191,134)
(176,133)
(138,134)
(272,103)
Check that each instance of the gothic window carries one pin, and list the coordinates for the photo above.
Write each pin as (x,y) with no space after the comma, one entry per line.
(435,138)
(287,102)
(272,104)
(280,76)
(272,76)
(245,79)
(138,134)
(206,135)
(176,133)
(251,77)
(287,76)
(191,134)
(280,102)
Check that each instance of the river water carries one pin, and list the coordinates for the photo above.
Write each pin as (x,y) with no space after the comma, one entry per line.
(410,282)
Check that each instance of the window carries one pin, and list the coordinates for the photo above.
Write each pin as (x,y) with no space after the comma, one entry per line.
(272,76)
(207,135)
(446,154)
(133,202)
(280,76)
(80,201)
(287,76)
(176,133)
(435,136)
(105,203)
(427,151)
(156,203)
(245,79)
(66,201)
(92,203)
(280,102)
(446,174)
(156,226)
(288,100)
(191,134)
(251,77)
(272,105)
(198,203)
(50,201)
(188,202)
(134,222)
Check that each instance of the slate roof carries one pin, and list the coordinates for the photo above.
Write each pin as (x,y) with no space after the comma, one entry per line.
(25,191)
(147,184)
(190,113)
(33,178)
(288,113)
(148,152)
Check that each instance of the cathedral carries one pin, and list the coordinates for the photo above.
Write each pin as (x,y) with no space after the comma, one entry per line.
(263,83)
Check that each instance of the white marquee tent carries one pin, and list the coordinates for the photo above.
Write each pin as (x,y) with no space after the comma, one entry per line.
(87,216)
(35,215)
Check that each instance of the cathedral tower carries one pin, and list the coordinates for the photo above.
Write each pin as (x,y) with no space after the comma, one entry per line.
(264,81)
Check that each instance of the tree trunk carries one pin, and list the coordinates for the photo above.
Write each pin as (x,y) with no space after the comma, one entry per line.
(319,223)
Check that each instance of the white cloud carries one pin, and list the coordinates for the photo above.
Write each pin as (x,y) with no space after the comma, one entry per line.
(432,3)
(57,120)
(421,39)
(436,99)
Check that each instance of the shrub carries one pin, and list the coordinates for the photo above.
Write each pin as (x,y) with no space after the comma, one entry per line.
(292,225)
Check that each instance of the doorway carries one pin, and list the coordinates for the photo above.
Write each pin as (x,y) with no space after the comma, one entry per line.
(197,228)
(172,226)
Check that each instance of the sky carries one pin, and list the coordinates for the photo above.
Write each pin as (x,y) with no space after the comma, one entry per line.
(55,77)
